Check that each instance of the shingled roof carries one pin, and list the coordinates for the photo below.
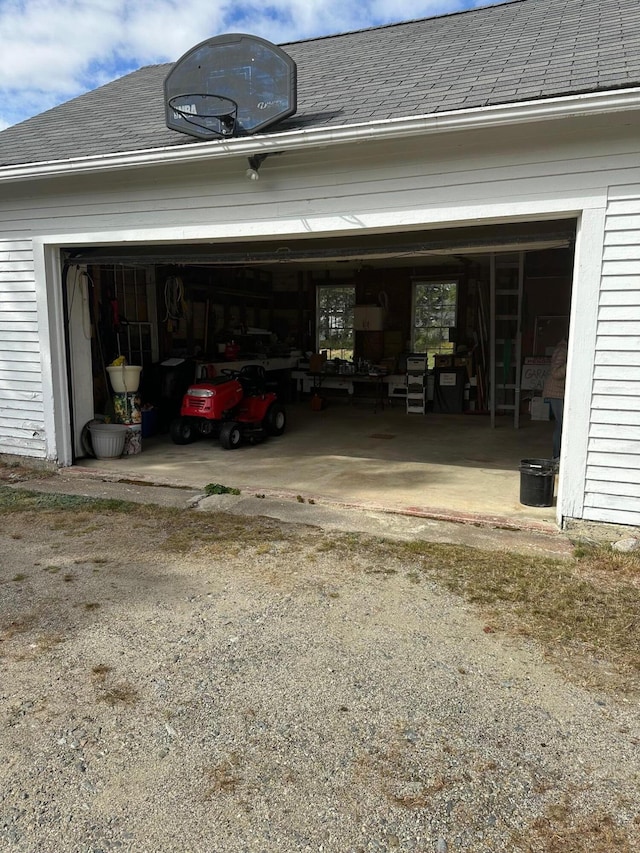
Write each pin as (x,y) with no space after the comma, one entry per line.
(517,51)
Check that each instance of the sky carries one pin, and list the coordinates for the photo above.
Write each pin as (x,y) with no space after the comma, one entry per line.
(53,50)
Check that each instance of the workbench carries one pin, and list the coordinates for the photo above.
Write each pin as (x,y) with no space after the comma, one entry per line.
(206,370)
(308,383)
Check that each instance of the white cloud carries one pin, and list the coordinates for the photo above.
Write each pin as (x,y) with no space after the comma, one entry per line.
(54,50)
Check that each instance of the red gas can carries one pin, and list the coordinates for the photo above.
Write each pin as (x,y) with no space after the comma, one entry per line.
(232,351)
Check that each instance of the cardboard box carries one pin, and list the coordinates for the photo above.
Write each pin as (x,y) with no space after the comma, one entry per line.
(317,362)
(464,361)
(443,361)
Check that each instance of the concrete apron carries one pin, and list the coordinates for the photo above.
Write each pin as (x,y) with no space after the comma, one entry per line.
(447,467)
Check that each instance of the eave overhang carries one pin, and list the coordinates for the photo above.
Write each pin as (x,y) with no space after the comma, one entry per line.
(574,106)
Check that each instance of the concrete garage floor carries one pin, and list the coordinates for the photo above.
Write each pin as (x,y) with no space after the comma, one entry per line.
(452,467)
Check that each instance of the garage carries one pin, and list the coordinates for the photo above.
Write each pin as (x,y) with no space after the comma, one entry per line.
(383,352)
(401,244)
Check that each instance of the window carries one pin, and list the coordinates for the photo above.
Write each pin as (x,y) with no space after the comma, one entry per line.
(434,313)
(335,304)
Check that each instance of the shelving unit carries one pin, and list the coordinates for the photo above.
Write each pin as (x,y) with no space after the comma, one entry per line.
(416,384)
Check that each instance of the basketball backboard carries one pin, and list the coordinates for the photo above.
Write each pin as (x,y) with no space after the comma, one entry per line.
(230,85)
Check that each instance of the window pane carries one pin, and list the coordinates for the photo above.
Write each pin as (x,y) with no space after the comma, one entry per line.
(434,312)
(335,320)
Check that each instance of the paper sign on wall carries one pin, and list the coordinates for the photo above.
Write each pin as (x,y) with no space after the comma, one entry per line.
(448,378)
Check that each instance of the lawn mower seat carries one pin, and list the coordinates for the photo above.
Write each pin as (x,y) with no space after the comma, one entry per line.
(253,379)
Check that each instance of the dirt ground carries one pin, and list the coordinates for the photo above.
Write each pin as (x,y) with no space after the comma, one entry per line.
(202,682)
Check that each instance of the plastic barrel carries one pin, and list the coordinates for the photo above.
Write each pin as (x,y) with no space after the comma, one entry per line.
(537,479)
(149,418)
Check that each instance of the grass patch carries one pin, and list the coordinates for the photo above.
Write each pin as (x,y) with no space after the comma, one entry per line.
(560,830)
(119,694)
(587,609)
(16,472)
(219,489)
(584,612)
(47,642)
(219,533)
(385,571)
(18,626)
(21,500)
(100,671)
(223,778)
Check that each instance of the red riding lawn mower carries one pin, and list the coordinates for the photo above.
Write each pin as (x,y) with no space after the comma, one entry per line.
(234,406)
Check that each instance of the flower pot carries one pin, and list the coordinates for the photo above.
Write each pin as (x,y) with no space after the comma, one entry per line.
(107,440)
(125,378)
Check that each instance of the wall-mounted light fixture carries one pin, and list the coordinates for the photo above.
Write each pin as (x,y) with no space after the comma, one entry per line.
(254,165)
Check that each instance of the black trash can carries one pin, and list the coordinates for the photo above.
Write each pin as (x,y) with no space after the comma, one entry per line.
(537,479)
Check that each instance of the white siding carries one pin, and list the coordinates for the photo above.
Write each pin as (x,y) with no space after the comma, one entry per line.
(612,490)
(21,398)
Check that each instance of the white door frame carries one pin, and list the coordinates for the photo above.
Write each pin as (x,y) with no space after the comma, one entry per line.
(585,288)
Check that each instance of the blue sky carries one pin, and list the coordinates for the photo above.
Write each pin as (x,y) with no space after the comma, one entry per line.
(54,50)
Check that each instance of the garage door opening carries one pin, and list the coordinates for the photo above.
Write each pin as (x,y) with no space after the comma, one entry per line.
(430,331)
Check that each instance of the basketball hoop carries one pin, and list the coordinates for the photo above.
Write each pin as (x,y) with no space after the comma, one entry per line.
(215,114)
(231,85)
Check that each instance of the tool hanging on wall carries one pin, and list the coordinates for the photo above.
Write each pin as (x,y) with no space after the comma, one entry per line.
(205,341)
(174,303)
(115,320)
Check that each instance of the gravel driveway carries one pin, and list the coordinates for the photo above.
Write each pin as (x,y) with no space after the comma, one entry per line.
(270,688)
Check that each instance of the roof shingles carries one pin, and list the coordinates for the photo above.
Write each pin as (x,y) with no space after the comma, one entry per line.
(520,50)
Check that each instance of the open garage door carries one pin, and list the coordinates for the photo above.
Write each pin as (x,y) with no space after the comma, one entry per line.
(185,311)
